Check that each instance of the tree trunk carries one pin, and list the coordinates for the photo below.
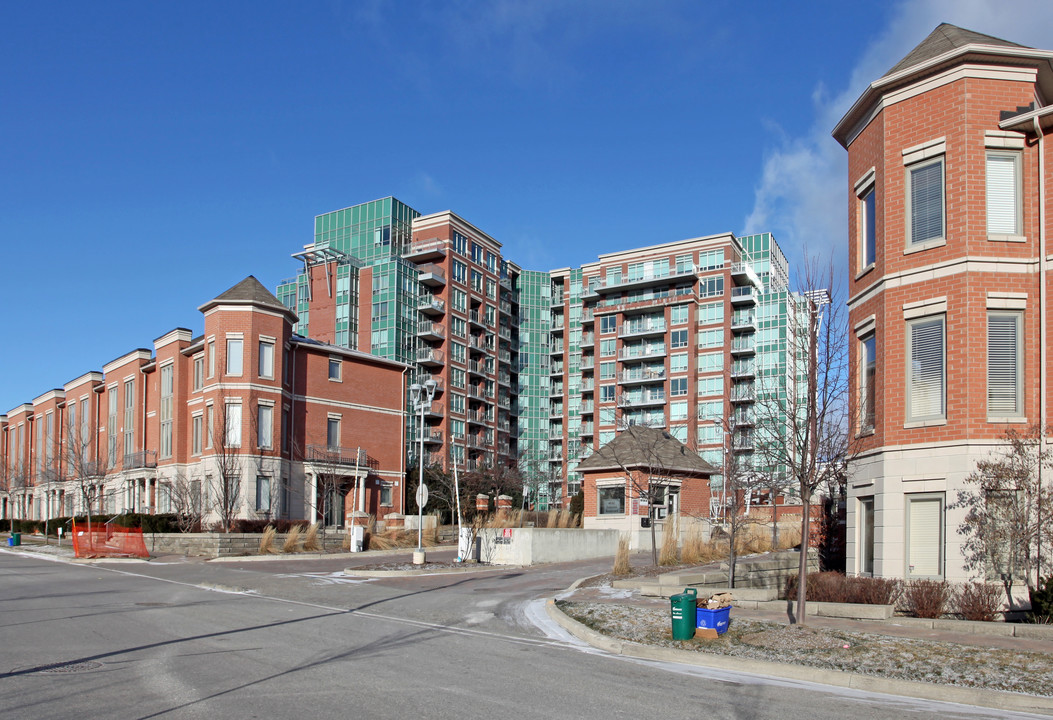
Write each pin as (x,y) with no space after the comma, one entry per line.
(802,568)
(654,542)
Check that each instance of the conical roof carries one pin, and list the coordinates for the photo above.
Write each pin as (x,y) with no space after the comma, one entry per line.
(649,449)
(943,39)
(249,291)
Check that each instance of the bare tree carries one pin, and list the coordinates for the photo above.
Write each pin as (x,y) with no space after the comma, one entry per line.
(86,467)
(1003,529)
(12,483)
(228,461)
(802,414)
(188,501)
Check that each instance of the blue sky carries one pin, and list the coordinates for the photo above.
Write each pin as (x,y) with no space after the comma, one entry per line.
(154,154)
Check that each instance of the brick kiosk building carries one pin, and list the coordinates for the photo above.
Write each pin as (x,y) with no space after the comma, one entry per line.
(948,160)
(293,425)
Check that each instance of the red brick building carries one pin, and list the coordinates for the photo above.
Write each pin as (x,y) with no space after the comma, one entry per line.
(948,161)
(247,416)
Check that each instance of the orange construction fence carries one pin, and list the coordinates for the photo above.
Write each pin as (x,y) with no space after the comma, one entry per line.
(102,540)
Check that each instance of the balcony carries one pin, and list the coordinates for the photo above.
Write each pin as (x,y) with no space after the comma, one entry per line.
(633,354)
(557,300)
(586,430)
(742,418)
(139,460)
(476,368)
(742,442)
(431,306)
(743,322)
(431,275)
(480,345)
(433,249)
(556,458)
(431,331)
(333,455)
(476,318)
(556,390)
(556,369)
(430,358)
(433,437)
(588,339)
(556,348)
(654,397)
(653,421)
(433,410)
(605,285)
(586,408)
(555,433)
(478,394)
(505,333)
(504,378)
(743,295)
(743,272)
(506,307)
(645,375)
(640,329)
(743,370)
(588,316)
(588,385)
(556,412)
(743,394)
(478,417)
(743,346)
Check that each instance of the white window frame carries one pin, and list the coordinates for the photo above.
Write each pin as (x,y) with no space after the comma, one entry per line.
(235,356)
(867,199)
(265,426)
(1015,198)
(925,243)
(1016,375)
(339,369)
(940,416)
(867,386)
(911,532)
(266,359)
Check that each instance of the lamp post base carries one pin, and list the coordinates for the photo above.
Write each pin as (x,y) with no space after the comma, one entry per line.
(419,557)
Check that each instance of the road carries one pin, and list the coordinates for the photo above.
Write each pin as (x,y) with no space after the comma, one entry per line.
(299,638)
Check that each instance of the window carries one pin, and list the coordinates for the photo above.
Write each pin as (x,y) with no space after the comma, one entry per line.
(385,493)
(678,363)
(711,338)
(266,359)
(459,300)
(263,493)
(211,358)
(925,369)
(166,412)
(460,271)
(234,356)
(711,313)
(491,286)
(608,323)
(129,417)
(678,387)
(199,372)
(1004,351)
(608,347)
(678,314)
(286,436)
(195,435)
(460,244)
(606,393)
(711,260)
(477,281)
(232,425)
(925,202)
(711,362)
(867,229)
(867,380)
(607,370)
(332,432)
(1003,194)
(925,535)
(264,426)
(712,410)
(684,264)
(334,369)
(208,427)
(678,411)
(866,536)
(477,253)
(711,287)
(678,339)
(610,500)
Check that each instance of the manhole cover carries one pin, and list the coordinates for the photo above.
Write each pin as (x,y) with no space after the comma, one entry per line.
(71,667)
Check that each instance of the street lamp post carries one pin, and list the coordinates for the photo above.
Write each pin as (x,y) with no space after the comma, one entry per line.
(421,396)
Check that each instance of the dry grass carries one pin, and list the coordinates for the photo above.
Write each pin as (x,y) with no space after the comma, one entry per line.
(310,539)
(345,544)
(697,551)
(292,539)
(621,558)
(552,519)
(267,541)
(669,554)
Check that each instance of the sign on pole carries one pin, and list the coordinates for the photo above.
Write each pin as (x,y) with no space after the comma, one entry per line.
(422,495)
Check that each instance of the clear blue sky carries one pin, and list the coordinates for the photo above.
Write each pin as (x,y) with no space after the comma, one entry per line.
(152,154)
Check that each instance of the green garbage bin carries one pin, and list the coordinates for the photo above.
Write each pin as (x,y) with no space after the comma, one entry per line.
(16,539)
(682,610)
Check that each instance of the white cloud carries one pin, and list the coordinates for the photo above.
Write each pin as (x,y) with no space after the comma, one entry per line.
(801,195)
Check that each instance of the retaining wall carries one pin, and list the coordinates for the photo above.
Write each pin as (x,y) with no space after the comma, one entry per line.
(528,546)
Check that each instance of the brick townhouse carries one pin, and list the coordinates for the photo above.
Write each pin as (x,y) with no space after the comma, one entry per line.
(948,165)
(299,428)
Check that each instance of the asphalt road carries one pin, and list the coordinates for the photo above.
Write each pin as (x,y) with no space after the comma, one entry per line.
(301,639)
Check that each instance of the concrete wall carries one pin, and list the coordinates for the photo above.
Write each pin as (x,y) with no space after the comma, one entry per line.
(213,545)
(529,546)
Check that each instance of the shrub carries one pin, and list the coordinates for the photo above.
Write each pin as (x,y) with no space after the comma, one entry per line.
(669,553)
(310,539)
(267,541)
(292,539)
(1042,601)
(577,503)
(874,591)
(927,598)
(978,601)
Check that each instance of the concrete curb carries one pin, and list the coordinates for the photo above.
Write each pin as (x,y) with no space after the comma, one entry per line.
(996,699)
(318,555)
(435,571)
